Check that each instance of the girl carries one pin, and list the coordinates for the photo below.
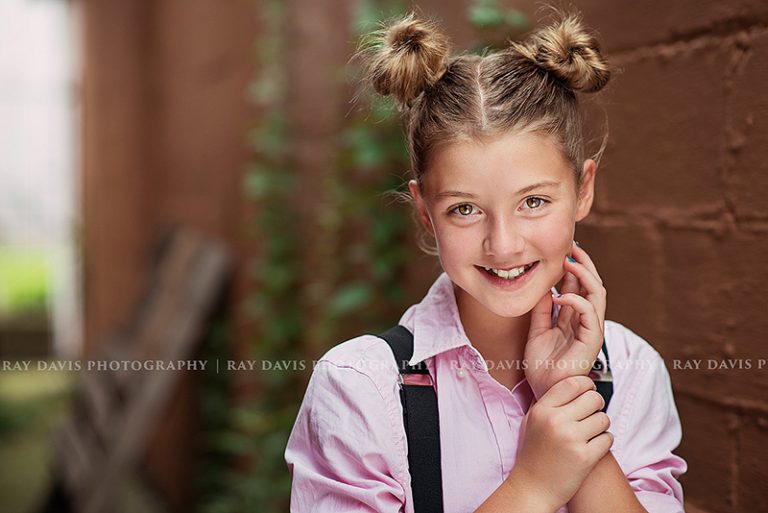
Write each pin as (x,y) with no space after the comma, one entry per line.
(500,181)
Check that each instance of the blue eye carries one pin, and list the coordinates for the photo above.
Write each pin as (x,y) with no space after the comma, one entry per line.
(539,202)
(463,210)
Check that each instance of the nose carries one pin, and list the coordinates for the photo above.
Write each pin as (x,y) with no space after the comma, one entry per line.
(503,240)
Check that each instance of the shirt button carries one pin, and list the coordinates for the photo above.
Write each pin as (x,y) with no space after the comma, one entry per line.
(461,372)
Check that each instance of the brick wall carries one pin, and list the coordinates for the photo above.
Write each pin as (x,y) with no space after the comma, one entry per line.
(680,221)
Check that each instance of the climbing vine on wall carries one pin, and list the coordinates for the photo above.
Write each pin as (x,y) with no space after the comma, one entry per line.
(364,252)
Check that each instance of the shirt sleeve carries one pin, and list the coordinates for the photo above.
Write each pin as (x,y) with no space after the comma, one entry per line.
(651,433)
(342,453)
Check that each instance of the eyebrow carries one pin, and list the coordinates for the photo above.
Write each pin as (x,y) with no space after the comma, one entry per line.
(527,188)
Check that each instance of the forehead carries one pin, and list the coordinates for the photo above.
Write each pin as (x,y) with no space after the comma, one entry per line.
(505,162)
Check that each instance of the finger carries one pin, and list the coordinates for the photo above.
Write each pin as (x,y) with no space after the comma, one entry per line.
(584,405)
(588,318)
(541,316)
(565,318)
(581,256)
(566,390)
(570,283)
(595,292)
(584,276)
(594,425)
(601,444)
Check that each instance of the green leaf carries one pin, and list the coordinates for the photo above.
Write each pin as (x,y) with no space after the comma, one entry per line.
(351,297)
(485,14)
(517,19)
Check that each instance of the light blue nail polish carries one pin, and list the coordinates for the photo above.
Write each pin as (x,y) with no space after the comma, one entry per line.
(571,260)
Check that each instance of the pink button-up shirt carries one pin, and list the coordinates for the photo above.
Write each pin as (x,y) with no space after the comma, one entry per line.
(347,451)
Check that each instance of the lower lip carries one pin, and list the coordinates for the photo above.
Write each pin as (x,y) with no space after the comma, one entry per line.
(508,285)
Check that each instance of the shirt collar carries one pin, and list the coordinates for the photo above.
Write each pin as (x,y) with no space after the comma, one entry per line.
(435,321)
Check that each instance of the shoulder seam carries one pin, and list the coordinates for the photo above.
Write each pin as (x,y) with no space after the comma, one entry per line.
(402,468)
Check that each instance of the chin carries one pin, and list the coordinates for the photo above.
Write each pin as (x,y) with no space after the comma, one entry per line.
(512,311)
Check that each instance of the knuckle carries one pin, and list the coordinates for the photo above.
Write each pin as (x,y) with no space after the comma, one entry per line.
(537,415)
(604,420)
(572,383)
(581,456)
(551,423)
(594,398)
(579,382)
(607,439)
(598,398)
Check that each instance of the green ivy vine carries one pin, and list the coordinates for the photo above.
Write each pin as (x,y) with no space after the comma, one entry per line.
(365,252)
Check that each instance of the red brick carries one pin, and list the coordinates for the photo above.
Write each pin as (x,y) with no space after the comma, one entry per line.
(712,285)
(747,180)
(692,278)
(624,25)
(715,312)
(708,448)
(627,261)
(753,466)
(666,119)
(691,508)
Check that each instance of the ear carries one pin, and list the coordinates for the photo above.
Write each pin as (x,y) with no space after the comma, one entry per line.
(586,192)
(421,206)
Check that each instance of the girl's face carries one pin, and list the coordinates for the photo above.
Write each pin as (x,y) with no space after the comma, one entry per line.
(505,204)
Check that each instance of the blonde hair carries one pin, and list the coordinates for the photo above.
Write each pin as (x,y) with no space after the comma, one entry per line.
(529,86)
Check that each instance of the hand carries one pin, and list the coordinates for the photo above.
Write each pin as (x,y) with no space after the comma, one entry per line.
(571,346)
(563,436)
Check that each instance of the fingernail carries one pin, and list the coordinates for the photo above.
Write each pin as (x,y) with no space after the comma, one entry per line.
(571,260)
(577,243)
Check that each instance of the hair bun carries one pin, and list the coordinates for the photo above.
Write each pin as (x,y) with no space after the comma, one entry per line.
(572,54)
(406,58)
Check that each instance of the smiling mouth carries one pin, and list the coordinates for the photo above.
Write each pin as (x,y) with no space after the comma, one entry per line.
(509,274)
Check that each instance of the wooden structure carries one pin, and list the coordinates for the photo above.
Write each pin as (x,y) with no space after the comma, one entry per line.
(105,437)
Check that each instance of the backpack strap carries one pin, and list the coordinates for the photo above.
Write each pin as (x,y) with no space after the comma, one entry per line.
(603,377)
(422,423)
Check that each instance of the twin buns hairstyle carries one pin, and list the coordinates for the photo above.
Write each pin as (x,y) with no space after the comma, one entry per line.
(528,86)
(411,55)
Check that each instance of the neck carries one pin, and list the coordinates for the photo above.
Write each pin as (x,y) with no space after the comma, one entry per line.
(499,339)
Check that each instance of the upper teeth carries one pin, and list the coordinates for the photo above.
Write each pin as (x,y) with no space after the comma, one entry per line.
(511,273)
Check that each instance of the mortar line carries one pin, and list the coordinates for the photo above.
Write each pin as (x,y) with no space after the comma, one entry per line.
(680,45)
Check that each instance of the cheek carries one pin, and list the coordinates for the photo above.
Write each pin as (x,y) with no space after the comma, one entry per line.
(456,242)
(449,241)
(555,236)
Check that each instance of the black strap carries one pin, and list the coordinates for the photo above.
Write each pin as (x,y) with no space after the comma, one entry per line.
(422,425)
(603,378)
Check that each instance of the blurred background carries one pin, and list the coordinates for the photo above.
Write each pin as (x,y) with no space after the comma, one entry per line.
(204,179)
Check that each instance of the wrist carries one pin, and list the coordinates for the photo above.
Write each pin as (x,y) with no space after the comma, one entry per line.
(535,497)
